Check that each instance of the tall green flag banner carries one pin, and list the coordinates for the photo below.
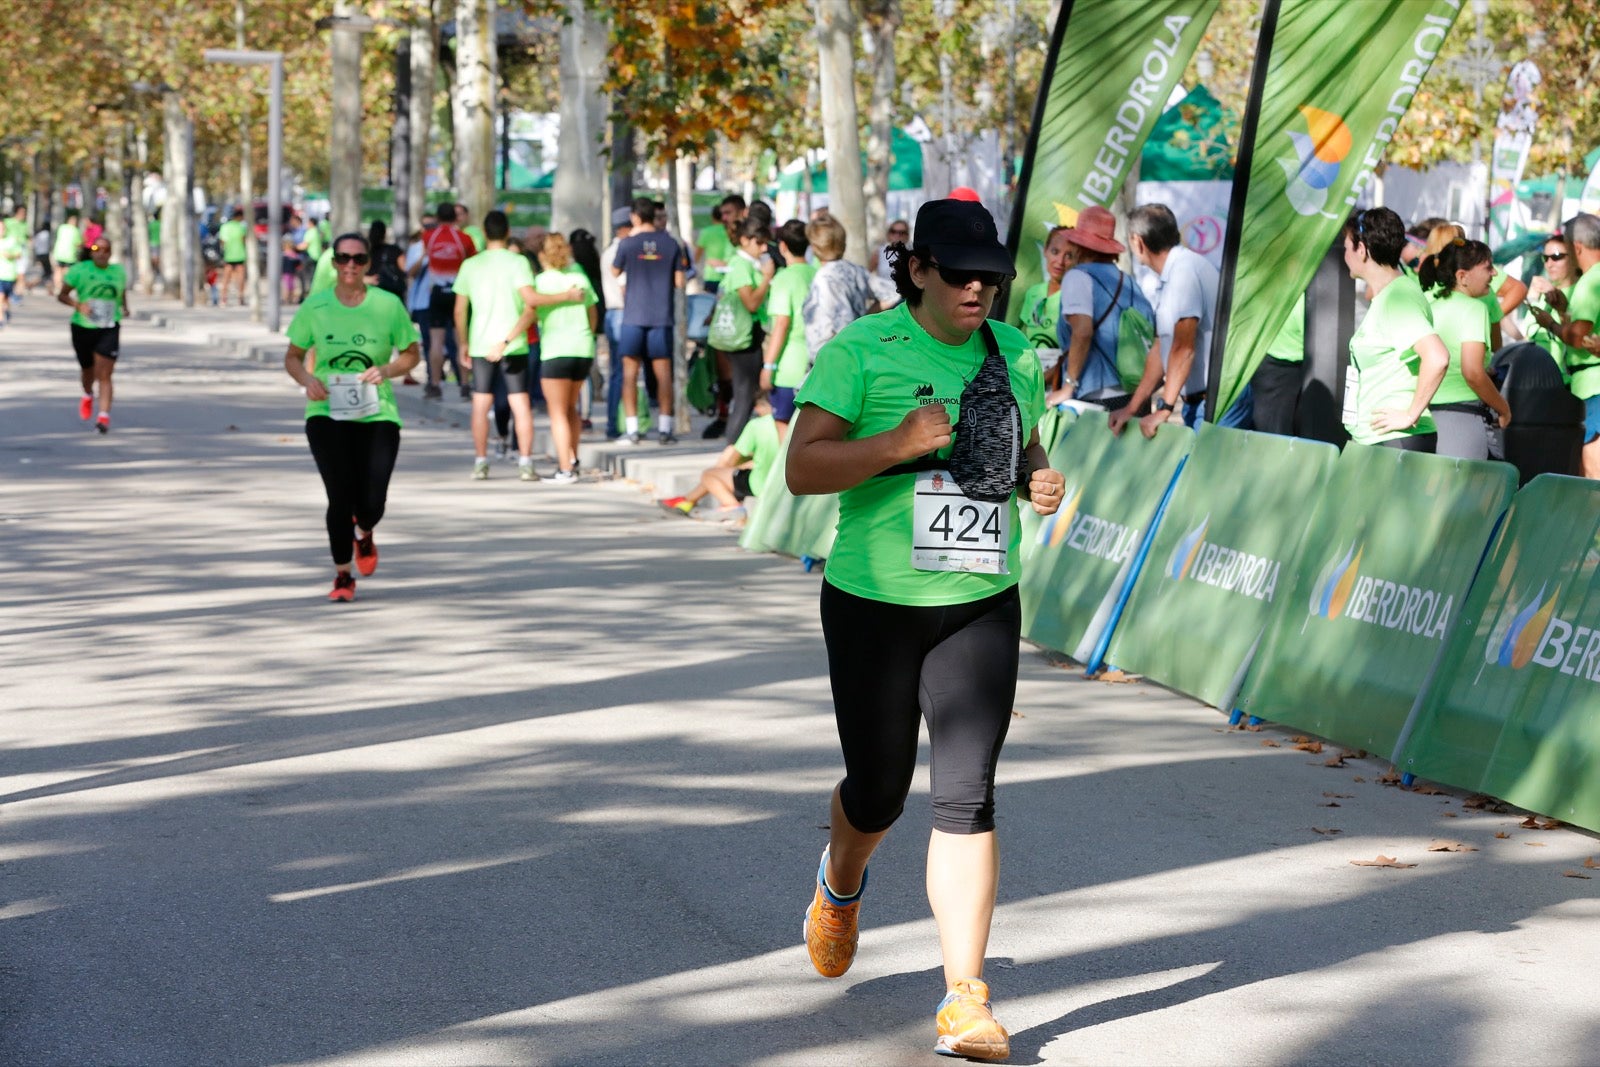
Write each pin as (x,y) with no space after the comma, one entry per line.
(1111,66)
(1082,558)
(792,525)
(1337,81)
(1224,555)
(1514,710)
(1391,549)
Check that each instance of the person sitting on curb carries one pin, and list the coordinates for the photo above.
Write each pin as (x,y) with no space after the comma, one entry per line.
(741,469)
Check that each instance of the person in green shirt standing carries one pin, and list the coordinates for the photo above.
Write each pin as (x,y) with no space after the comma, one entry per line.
(567,330)
(1276,384)
(1575,329)
(16,228)
(97,292)
(713,246)
(1041,303)
(922,419)
(747,281)
(787,359)
(1456,279)
(13,254)
(233,236)
(352,423)
(69,242)
(1396,359)
(1560,275)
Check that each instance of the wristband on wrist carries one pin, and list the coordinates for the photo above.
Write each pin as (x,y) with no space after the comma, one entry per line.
(769,366)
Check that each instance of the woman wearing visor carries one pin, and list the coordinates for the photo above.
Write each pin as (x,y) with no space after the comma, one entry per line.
(922,419)
(97,292)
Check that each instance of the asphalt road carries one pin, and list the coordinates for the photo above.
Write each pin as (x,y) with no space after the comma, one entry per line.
(552,790)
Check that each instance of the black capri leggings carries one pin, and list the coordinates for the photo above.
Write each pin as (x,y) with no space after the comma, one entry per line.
(891,665)
(355,460)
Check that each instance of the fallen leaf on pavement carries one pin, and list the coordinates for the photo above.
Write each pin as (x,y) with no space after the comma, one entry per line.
(1550,824)
(1428,790)
(1389,777)
(1253,727)
(1309,746)
(1382,861)
(1015,714)
(1329,804)
(1118,677)
(232,428)
(1502,835)
(1334,761)
(1450,815)
(1358,778)
(1479,802)
(1441,845)
(1574,874)
(1534,844)
(1326,831)
(1338,796)
(1591,864)
(1530,823)
(1267,742)
(1300,739)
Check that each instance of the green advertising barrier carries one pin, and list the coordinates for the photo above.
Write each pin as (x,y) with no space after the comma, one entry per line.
(1053,428)
(1383,572)
(1223,557)
(1081,558)
(799,526)
(1514,710)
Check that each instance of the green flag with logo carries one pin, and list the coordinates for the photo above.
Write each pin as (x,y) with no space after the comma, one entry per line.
(1111,67)
(1338,81)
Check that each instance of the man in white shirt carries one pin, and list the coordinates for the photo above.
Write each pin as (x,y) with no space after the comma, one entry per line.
(1185,300)
(611,289)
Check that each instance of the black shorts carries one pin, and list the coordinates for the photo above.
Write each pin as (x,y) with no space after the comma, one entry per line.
(741,483)
(566,368)
(90,341)
(442,308)
(514,369)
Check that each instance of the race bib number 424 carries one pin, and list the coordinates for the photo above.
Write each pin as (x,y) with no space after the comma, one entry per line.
(953,533)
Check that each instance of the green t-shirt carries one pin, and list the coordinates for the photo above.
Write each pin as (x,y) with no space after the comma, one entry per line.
(90,283)
(11,252)
(314,242)
(17,230)
(348,340)
(479,240)
(714,241)
(759,441)
(68,240)
(874,372)
(1584,304)
(787,296)
(1040,312)
(324,275)
(232,234)
(1491,299)
(1457,319)
(1290,343)
(564,331)
(744,272)
(489,281)
(1383,361)
(155,229)
(1544,338)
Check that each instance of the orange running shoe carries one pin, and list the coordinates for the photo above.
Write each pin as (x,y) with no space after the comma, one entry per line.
(366,555)
(831,928)
(967,1026)
(344,586)
(86,408)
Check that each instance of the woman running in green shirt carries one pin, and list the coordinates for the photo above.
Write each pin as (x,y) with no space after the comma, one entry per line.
(922,419)
(1456,279)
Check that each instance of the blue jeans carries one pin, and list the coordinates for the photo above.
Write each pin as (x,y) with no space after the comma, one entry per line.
(421,318)
(1239,417)
(613,326)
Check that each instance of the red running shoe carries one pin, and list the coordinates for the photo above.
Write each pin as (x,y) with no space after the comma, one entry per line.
(103,423)
(366,555)
(344,586)
(86,408)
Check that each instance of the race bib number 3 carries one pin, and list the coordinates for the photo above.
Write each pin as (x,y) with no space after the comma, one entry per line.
(351,398)
(953,533)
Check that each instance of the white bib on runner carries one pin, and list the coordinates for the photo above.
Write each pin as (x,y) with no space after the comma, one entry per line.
(102,313)
(351,398)
(951,532)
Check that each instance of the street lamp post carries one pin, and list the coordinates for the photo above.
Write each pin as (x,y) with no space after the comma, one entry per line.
(274,62)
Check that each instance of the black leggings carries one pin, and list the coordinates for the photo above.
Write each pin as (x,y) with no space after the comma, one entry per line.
(745,367)
(892,665)
(355,460)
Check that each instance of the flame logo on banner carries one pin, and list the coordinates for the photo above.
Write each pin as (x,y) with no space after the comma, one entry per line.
(1188,547)
(1053,530)
(1319,151)
(1331,590)
(1516,636)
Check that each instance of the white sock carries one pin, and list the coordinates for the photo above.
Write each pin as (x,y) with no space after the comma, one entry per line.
(481,459)
(632,422)
(664,423)
(524,461)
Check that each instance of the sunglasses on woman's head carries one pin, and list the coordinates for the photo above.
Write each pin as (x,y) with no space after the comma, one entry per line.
(956,278)
(358,258)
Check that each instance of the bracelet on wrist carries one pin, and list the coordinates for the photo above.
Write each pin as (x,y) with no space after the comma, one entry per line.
(769,366)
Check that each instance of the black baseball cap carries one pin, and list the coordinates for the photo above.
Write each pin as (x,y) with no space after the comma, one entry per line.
(962,234)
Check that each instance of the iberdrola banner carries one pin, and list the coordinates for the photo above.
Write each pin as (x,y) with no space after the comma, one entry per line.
(1111,67)
(1338,79)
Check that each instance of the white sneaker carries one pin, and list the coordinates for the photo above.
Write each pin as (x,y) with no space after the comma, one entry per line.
(630,439)
(565,477)
(480,470)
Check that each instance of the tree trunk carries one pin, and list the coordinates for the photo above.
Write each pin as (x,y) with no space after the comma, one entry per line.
(622,164)
(400,145)
(837,82)
(883,21)
(344,141)
(680,194)
(142,272)
(573,202)
(247,196)
(116,196)
(424,46)
(174,213)
(474,105)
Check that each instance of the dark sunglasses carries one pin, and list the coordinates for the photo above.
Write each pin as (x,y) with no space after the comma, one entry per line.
(960,279)
(1554,257)
(898,232)
(358,258)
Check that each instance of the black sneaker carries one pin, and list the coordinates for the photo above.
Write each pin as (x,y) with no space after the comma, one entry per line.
(432,392)
(668,437)
(714,429)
